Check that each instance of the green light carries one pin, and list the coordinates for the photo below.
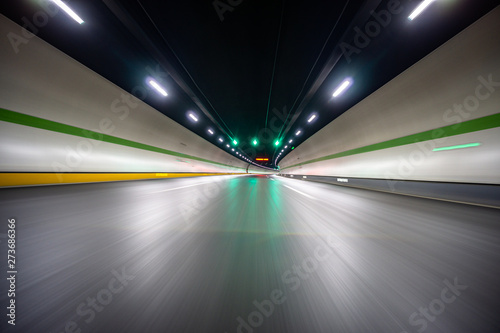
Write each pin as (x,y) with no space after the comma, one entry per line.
(235,142)
(255,142)
(293,148)
(467,145)
(277,143)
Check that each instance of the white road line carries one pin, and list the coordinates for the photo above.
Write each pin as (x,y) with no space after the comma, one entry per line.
(306,195)
(178,188)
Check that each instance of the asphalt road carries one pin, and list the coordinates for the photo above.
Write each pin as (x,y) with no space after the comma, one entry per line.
(247,254)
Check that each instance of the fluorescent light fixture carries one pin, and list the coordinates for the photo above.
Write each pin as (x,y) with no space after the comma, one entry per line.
(298,132)
(341,88)
(221,139)
(210,131)
(286,147)
(68,11)
(192,116)
(311,118)
(157,87)
(424,4)
(467,145)
(232,149)
(227,146)
(290,141)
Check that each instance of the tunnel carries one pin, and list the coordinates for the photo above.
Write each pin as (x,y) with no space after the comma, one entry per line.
(250,166)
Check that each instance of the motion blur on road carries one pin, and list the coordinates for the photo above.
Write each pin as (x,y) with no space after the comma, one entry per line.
(249,254)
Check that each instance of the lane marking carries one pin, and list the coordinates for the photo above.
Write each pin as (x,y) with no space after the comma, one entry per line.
(178,188)
(306,195)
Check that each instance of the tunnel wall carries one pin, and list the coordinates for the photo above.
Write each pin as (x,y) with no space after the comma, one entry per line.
(257,170)
(450,97)
(58,116)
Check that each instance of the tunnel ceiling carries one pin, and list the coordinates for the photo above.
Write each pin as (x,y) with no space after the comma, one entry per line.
(248,69)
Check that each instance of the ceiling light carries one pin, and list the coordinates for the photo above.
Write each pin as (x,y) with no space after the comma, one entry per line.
(420,9)
(227,146)
(221,139)
(341,88)
(68,11)
(235,142)
(286,147)
(311,118)
(298,132)
(290,141)
(192,116)
(255,142)
(232,149)
(277,143)
(210,131)
(157,87)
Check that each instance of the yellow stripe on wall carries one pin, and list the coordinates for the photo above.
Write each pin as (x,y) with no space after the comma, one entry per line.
(48,178)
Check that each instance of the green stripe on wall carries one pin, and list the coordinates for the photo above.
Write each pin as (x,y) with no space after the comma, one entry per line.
(468,126)
(26,120)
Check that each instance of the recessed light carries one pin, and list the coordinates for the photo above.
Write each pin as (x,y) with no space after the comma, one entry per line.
(157,87)
(311,118)
(68,11)
(420,8)
(341,88)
